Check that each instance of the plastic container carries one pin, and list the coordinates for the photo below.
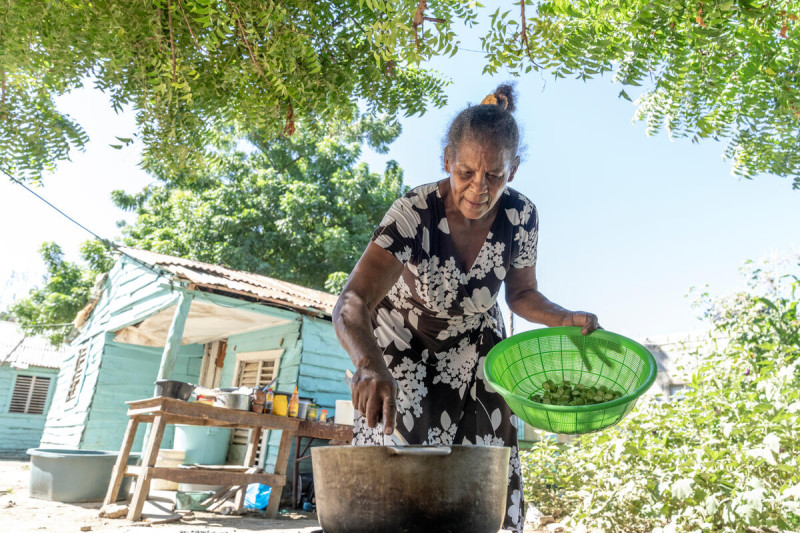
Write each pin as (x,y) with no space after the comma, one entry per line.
(167,459)
(294,404)
(313,412)
(74,476)
(268,401)
(302,409)
(344,413)
(203,445)
(517,367)
(280,404)
(191,500)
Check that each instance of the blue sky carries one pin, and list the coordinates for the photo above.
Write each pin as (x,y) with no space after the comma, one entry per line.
(628,223)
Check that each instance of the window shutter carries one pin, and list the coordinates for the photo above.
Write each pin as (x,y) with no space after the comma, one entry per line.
(80,363)
(30,395)
(256,372)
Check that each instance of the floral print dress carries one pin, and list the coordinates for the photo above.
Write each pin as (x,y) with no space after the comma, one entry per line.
(440,319)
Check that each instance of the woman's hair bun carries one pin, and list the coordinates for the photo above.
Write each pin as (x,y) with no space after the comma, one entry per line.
(502,97)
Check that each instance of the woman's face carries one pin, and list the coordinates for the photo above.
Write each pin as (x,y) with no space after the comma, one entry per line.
(479,171)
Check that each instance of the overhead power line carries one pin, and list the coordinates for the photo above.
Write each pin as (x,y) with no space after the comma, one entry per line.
(84,228)
(106,242)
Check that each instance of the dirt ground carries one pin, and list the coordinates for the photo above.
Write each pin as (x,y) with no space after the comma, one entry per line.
(19,513)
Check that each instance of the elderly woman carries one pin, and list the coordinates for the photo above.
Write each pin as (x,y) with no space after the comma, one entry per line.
(419,312)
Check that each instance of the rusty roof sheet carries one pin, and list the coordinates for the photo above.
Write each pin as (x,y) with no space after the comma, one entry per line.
(20,350)
(206,275)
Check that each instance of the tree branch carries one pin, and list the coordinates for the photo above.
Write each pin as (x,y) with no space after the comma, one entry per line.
(246,42)
(419,18)
(524,34)
(171,39)
(180,5)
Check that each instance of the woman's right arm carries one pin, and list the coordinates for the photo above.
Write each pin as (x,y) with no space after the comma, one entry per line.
(374,389)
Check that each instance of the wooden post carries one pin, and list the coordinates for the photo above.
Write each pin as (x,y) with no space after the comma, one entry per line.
(148,462)
(281,464)
(175,335)
(118,473)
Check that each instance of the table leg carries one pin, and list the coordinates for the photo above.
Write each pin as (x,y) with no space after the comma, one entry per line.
(295,475)
(280,468)
(249,460)
(118,474)
(148,462)
(298,457)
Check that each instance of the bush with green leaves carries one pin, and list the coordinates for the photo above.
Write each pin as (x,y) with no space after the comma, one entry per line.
(722,458)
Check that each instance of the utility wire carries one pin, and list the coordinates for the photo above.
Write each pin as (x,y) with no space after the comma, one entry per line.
(95,235)
(159,272)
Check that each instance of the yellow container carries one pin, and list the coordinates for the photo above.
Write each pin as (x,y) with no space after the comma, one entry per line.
(280,405)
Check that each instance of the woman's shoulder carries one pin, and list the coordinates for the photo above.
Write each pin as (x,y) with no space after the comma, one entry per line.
(519,209)
(513,196)
(421,198)
(423,191)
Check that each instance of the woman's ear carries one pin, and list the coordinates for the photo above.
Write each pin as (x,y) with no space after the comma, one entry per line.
(447,156)
(513,171)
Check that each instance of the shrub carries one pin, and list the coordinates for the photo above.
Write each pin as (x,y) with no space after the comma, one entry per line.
(724,458)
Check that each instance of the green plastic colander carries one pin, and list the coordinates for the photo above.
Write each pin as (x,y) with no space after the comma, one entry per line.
(517,366)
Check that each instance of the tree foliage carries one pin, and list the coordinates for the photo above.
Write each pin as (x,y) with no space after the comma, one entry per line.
(191,69)
(194,68)
(723,458)
(720,69)
(300,208)
(50,309)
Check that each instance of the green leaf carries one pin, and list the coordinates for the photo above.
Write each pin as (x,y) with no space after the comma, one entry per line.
(682,488)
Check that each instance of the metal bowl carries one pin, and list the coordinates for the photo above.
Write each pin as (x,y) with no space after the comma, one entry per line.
(233,400)
(169,388)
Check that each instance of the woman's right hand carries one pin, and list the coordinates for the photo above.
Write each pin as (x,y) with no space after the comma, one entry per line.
(374,393)
(374,389)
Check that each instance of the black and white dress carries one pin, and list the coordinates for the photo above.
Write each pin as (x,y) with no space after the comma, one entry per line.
(441,318)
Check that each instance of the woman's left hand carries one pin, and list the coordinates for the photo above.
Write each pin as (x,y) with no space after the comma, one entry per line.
(586,321)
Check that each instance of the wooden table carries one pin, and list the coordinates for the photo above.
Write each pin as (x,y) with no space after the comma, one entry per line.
(163,411)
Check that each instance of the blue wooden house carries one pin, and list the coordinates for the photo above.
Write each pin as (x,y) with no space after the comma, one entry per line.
(28,370)
(157,316)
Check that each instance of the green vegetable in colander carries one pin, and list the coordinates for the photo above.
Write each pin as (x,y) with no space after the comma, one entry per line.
(565,393)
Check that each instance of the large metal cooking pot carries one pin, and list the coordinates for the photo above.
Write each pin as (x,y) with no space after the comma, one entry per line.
(405,489)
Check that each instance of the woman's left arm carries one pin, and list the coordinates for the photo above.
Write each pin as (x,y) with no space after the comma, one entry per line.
(524,299)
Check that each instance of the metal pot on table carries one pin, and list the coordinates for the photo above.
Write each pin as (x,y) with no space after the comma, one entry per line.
(170,388)
(405,489)
(233,400)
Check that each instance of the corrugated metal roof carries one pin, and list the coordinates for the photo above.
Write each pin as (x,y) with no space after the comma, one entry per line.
(206,275)
(19,350)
